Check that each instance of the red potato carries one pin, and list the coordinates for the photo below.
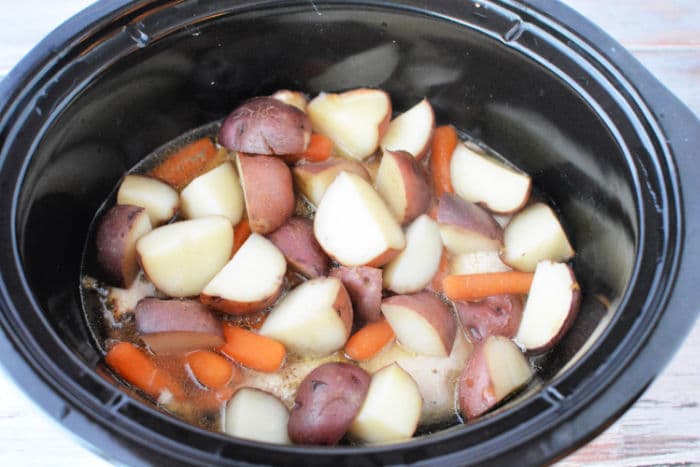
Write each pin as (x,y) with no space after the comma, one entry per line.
(411,131)
(294,98)
(403,184)
(326,403)
(267,190)
(364,285)
(355,120)
(314,178)
(477,262)
(498,315)
(551,307)
(482,179)
(159,199)
(257,415)
(295,239)
(314,319)
(496,369)
(354,226)
(264,125)
(533,235)
(466,227)
(181,258)
(422,323)
(214,193)
(177,326)
(117,234)
(251,281)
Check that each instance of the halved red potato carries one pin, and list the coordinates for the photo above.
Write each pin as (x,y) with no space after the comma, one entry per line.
(181,258)
(391,409)
(414,268)
(402,183)
(117,234)
(295,239)
(267,190)
(478,262)
(422,323)
(411,131)
(251,281)
(177,326)
(354,226)
(355,120)
(313,179)
(498,315)
(215,193)
(466,227)
(533,235)
(257,415)
(479,178)
(326,403)
(496,369)
(295,98)
(551,307)
(265,125)
(159,199)
(364,286)
(314,319)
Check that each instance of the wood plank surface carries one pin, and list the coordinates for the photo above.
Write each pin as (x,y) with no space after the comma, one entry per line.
(662,428)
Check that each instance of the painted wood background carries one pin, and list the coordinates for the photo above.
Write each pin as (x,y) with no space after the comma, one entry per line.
(662,428)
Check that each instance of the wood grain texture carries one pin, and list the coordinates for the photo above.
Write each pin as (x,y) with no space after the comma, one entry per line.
(662,428)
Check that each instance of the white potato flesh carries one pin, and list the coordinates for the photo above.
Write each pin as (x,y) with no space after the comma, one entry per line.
(533,235)
(181,258)
(458,240)
(215,193)
(353,120)
(254,273)
(391,186)
(508,368)
(306,320)
(482,179)
(159,199)
(391,409)
(352,223)
(411,131)
(549,305)
(414,331)
(478,262)
(257,415)
(415,266)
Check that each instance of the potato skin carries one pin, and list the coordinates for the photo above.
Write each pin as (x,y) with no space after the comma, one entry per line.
(114,234)
(269,193)
(453,210)
(364,285)
(326,403)
(498,315)
(297,242)
(475,389)
(417,191)
(265,125)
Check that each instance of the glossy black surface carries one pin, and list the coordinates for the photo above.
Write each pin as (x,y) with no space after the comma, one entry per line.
(563,106)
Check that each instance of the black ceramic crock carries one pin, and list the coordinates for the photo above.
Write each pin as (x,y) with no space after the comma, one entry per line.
(610,146)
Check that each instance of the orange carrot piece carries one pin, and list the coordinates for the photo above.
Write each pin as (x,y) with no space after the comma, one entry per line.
(253,350)
(444,143)
(136,367)
(442,272)
(320,148)
(211,369)
(240,234)
(186,164)
(369,340)
(478,286)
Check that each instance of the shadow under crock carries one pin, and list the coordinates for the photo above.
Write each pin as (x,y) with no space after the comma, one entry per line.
(504,74)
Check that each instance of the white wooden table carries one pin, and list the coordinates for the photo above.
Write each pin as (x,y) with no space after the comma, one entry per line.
(663,427)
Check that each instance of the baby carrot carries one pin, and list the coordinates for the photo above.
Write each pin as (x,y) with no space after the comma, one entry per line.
(478,286)
(442,272)
(253,350)
(210,369)
(369,340)
(240,234)
(132,364)
(186,164)
(320,148)
(444,143)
